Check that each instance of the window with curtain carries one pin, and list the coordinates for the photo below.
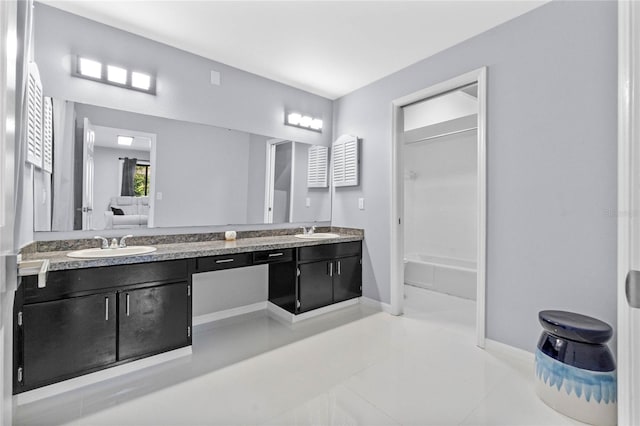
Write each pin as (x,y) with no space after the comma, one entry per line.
(141,180)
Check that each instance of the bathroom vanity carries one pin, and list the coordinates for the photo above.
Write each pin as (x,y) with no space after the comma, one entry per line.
(93,314)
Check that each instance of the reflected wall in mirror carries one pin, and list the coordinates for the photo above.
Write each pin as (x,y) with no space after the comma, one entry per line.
(185,174)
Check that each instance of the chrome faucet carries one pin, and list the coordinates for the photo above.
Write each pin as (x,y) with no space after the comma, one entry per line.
(105,242)
(309,231)
(122,241)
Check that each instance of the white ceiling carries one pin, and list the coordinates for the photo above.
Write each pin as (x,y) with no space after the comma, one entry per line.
(329,48)
(108,137)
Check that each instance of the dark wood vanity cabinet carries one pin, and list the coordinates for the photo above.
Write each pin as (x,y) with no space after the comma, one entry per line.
(320,276)
(315,285)
(153,320)
(347,279)
(64,338)
(89,319)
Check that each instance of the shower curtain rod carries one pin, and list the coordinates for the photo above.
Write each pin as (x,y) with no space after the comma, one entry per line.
(455,132)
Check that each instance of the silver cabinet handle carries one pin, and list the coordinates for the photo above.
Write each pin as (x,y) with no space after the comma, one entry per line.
(275,254)
(106,309)
(338,267)
(224,260)
(127,308)
(330,269)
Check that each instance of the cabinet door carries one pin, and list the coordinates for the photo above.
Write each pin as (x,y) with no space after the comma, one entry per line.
(153,320)
(347,279)
(69,337)
(315,285)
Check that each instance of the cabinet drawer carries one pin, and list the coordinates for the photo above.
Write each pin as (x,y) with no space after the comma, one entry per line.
(216,263)
(74,282)
(272,256)
(329,251)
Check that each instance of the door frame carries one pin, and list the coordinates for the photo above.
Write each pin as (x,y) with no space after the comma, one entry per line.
(269,191)
(628,167)
(397,190)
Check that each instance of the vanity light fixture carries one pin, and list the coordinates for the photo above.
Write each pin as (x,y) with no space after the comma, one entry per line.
(316,124)
(89,68)
(294,118)
(303,121)
(114,75)
(125,140)
(140,80)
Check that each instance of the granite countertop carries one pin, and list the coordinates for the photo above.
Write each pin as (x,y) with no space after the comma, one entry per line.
(58,260)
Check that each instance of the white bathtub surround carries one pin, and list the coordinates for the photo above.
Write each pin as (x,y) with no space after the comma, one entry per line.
(456,277)
(440,200)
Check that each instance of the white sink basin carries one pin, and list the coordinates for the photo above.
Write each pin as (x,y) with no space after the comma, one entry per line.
(97,253)
(317,236)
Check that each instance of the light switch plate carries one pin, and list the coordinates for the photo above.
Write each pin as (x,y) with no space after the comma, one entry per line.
(158,195)
(361,203)
(307,202)
(215,78)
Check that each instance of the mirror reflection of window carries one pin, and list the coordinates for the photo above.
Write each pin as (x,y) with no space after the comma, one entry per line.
(141,179)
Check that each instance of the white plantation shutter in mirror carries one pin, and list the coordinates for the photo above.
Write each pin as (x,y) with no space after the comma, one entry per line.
(34,116)
(345,161)
(47,135)
(318,165)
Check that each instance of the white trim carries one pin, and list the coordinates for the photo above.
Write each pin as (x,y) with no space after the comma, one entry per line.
(510,351)
(384,307)
(152,185)
(481,262)
(270,160)
(291,181)
(628,70)
(98,376)
(397,180)
(279,313)
(228,313)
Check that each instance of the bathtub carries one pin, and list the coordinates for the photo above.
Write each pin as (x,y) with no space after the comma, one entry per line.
(445,275)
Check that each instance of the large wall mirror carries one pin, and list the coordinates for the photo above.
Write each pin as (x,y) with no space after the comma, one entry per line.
(121,170)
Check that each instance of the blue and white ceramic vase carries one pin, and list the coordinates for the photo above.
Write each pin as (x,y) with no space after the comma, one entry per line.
(577,376)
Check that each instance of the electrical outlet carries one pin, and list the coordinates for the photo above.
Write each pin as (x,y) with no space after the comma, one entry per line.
(361,203)
(158,195)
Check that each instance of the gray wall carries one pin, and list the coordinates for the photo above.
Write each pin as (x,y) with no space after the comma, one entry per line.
(222,290)
(551,164)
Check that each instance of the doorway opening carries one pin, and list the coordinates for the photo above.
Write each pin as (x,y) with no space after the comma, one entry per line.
(439,194)
(279,182)
(101,173)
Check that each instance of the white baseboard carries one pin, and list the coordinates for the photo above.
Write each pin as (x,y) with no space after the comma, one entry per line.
(228,313)
(384,307)
(98,376)
(288,317)
(512,351)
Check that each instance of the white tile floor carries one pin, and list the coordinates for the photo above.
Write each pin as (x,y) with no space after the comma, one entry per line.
(356,366)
